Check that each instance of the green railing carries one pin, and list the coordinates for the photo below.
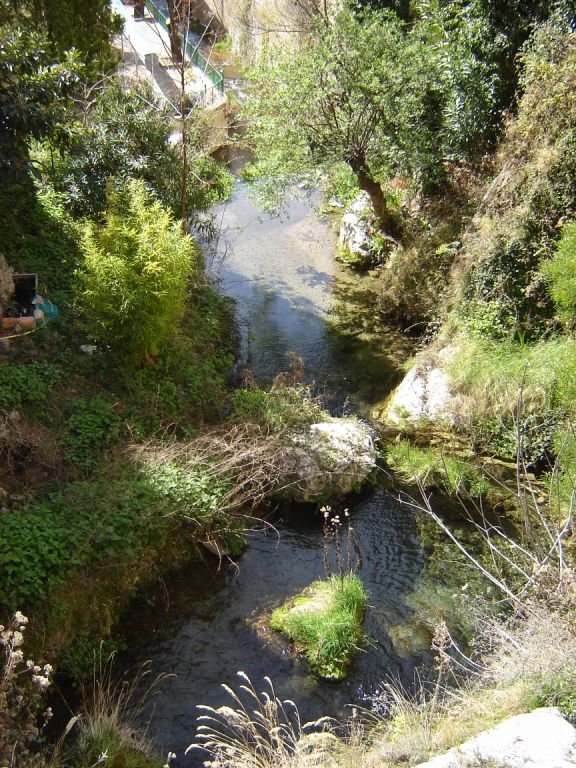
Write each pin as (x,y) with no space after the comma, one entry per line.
(192,52)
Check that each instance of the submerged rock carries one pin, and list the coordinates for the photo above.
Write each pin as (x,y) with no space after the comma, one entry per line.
(328,462)
(538,739)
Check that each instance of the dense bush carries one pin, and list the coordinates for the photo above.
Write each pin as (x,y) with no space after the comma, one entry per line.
(91,429)
(560,271)
(26,384)
(134,279)
(125,134)
(533,193)
(44,543)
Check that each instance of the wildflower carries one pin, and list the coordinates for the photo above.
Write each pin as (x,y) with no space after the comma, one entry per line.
(20,619)
(17,638)
(41,681)
(15,657)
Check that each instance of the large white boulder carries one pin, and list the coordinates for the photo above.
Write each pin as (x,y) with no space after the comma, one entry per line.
(357,230)
(424,395)
(538,739)
(330,460)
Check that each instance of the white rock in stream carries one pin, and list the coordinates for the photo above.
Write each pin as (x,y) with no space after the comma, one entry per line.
(357,230)
(538,739)
(329,461)
(425,395)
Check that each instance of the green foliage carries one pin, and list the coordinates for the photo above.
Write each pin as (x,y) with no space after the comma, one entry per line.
(38,235)
(91,39)
(125,133)
(79,658)
(430,467)
(339,183)
(560,271)
(134,280)
(352,95)
(42,544)
(279,409)
(326,623)
(495,373)
(26,385)
(532,196)
(385,98)
(33,94)
(194,495)
(560,691)
(223,45)
(91,428)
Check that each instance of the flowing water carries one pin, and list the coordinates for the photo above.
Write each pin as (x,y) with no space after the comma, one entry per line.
(209,622)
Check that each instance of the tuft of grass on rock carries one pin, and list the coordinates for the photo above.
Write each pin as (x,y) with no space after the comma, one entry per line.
(325,623)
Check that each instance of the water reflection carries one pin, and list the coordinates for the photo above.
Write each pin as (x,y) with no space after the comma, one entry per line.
(280,272)
(215,621)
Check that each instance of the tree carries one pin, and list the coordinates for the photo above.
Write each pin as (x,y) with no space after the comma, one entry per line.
(126,133)
(134,280)
(355,93)
(33,92)
(86,26)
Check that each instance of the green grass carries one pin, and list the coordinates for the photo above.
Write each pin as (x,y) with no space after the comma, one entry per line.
(325,623)
(494,373)
(429,466)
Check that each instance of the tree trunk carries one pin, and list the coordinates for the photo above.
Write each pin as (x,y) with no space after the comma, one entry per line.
(174,30)
(367,183)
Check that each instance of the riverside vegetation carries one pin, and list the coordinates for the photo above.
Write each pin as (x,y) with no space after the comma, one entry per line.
(325,622)
(458,121)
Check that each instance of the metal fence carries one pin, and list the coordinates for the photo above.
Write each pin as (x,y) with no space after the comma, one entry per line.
(191,50)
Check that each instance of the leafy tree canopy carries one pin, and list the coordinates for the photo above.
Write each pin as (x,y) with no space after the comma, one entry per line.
(87,26)
(387,97)
(124,133)
(347,96)
(33,89)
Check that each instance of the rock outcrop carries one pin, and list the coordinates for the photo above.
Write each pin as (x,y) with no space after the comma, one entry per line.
(328,462)
(357,231)
(424,395)
(538,739)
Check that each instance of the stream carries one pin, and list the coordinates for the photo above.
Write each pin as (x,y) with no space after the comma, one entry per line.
(209,622)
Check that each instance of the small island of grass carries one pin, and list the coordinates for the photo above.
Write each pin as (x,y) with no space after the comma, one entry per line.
(325,623)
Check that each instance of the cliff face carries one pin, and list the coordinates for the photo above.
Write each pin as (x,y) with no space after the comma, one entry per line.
(254,25)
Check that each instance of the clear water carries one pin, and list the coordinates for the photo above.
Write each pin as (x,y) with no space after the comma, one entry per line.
(210,621)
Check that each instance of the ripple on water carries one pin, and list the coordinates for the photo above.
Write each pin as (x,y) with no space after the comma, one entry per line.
(215,622)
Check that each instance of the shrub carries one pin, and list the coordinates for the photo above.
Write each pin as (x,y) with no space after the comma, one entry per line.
(89,523)
(26,385)
(560,271)
(134,280)
(91,428)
